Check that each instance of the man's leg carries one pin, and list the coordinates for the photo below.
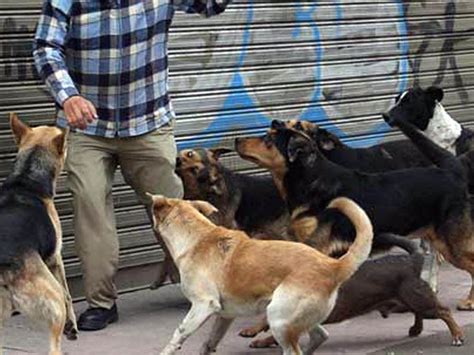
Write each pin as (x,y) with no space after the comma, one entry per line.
(148,164)
(91,163)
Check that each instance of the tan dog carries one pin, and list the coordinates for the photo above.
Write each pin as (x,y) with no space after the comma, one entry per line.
(224,272)
(32,277)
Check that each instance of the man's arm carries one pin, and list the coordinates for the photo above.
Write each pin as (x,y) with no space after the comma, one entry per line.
(48,53)
(204,7)
(48,50)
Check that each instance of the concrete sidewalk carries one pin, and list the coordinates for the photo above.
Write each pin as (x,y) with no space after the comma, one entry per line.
(148,319)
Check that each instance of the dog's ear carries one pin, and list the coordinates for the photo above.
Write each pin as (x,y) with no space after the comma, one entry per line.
(435,93)
(149,199)
(299,126)
(294,148)
(214,184)
(217,152)
(202,175)
(327,140)
(204,207)
(19,128)
(152,200)
(60,141)
(276,124)
(155,200)
(397,98)
(327,144)
(215,189)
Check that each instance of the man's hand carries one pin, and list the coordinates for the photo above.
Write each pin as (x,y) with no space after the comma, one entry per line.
(79,111)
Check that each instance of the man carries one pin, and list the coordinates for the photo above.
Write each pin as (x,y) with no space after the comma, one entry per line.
(105,63)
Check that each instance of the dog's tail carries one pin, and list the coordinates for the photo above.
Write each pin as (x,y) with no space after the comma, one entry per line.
(359,250)
(439,156)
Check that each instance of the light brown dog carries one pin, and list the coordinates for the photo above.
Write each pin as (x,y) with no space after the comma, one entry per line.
(227,274)
(32,277)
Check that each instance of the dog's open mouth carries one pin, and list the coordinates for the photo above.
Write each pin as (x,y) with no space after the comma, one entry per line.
(250,158)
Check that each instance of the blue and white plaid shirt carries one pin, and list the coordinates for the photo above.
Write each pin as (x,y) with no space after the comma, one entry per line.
(113,53)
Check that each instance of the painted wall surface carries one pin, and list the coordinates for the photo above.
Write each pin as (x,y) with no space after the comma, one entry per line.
(338,62)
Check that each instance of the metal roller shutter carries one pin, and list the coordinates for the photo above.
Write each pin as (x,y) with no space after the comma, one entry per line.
(339,62)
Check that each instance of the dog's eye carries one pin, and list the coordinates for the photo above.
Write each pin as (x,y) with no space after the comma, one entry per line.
(190,154)
(268,140)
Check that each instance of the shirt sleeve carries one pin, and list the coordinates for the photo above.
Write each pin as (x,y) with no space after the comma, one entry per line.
(206,8)
(48,49)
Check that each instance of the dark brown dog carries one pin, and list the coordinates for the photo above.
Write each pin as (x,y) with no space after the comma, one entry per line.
(375,286)
(245,202)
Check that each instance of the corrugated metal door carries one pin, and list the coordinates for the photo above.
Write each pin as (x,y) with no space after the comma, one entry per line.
(338,62)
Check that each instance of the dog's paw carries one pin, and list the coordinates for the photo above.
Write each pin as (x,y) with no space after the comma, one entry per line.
(414,331)
(391,121)
(249,332)
(170,349)
(70,330)
(458,341)
(466,305)
(268,342)
(206,349)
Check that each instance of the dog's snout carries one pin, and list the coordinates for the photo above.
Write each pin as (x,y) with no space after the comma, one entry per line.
(277,124)
(237,142)
(386,117)
(178,162)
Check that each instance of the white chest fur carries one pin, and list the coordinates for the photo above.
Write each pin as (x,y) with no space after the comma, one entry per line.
(443,129)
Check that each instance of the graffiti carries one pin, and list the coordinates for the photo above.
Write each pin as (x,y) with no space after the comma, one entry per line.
(431,30)
(321,61)
(9,50)
(246,107)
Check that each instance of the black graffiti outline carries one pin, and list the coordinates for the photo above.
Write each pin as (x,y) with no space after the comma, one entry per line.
(431,29)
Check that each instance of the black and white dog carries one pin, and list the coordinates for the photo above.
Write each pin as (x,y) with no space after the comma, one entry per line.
(423,109)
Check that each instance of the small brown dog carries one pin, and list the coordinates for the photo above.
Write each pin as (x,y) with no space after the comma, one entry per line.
(294,284)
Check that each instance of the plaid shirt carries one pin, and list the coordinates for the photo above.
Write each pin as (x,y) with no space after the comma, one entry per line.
(113,53)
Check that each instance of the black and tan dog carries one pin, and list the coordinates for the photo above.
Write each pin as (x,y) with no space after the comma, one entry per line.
(388,156)
(377,285)
(32,277)
(431,203)
(383,157)
(248,203)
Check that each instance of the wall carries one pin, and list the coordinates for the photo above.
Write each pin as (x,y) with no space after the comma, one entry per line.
(336,62)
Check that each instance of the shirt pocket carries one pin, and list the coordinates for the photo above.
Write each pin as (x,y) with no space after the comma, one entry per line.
(91,11)
(93,21)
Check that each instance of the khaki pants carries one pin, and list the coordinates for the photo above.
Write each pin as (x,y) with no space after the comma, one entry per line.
(147,163)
